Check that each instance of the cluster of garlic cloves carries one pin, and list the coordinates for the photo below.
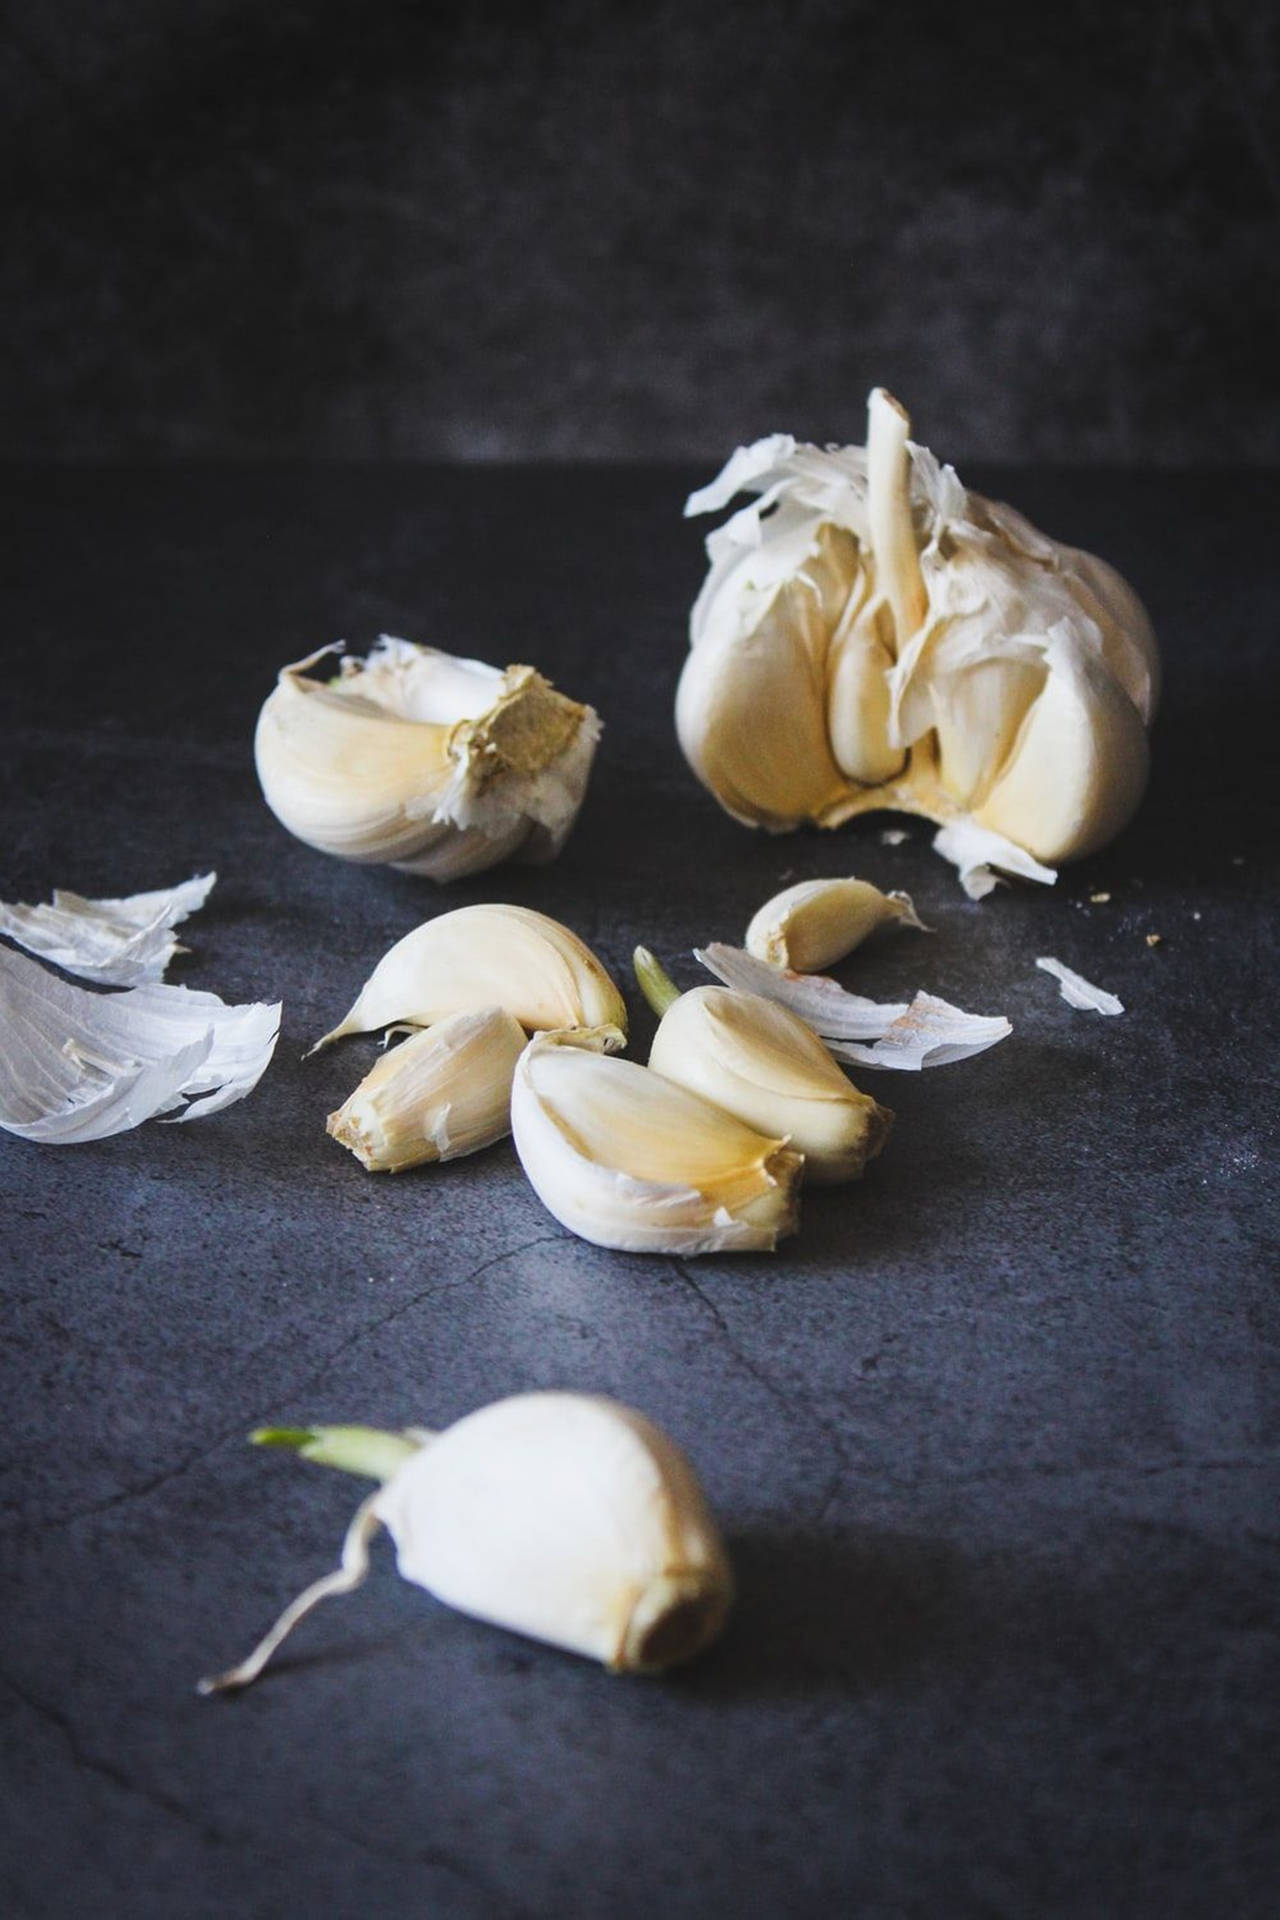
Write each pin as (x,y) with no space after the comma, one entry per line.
(872,635)
(424,761)
(563,1516)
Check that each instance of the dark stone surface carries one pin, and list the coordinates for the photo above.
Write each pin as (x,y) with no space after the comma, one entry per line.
(994,1439)
(560,229)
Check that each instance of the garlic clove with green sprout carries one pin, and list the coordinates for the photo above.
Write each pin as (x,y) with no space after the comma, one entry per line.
(563,1516)
(814,923)
(761,1063)
(871,635)
(442,1093)
(627,1159)
(487,956)
(434,764)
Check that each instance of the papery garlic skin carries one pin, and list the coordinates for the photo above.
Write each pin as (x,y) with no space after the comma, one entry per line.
(418,759)
(627,1159)
(817,922)
(564,1516)
(761,1063)
(872,635)
(442,1093)
(487,956)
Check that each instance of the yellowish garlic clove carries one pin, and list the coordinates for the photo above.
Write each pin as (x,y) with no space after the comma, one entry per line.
(563,1516)
(487,956)
(628,1159)
(814,923)
(434,764)
(442,1093)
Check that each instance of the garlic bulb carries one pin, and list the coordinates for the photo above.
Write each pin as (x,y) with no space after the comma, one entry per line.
(627,1159)
(441,1093)
(817,922)
(487,956)
(433,764)
(564,1516)
(761,1063)
(872,635)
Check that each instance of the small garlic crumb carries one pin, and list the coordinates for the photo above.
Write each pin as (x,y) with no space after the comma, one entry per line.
(1196,915)
(1237,859)
(1099,899)
(1155,939)
(893,836)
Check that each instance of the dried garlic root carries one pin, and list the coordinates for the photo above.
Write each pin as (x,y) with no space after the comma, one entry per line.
(872,635)
(563,1516)
(818,922)
(424,761)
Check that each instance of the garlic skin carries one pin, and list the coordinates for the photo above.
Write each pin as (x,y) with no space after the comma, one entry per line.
(871,635)
(817,922)
(564,1516)
(442,1093)
(627,1159)
(430,763)
(487,956)
(761,1063)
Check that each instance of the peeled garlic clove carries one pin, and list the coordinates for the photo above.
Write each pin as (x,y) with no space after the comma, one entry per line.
(427,762)
(487,956)
(441,1093)
(563,1516)
(817,922)
(761,1063)
(628,1159)
(975,671)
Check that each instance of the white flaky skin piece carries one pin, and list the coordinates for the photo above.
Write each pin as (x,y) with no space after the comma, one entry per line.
(78,1065)
(424,761)
(116,943)
(760,1062)
(442,1093)
(487,956)
(870,634)
(1079,992)
(564,1516)
(627,1159)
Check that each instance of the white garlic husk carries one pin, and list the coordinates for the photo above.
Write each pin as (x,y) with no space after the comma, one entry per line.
(563,1516)
(761,1063)
(487,956)
(814,923)
(442,1093)
(871,635)
(627,1159)
(424,761)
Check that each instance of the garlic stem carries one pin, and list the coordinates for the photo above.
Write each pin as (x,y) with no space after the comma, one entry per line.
(655,983)
(364,1450)
(350,1575)
(893,539)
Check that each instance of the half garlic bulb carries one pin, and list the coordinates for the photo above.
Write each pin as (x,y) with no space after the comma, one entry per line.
(423,761)
(872,635)
(627,1159)
(564,1516)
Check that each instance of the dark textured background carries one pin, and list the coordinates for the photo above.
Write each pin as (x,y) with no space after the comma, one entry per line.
(488,231)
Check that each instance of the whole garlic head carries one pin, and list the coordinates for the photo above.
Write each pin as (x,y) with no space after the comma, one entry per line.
(870,634)
(423,761)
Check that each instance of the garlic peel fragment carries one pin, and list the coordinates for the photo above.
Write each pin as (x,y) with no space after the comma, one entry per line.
(627,1159)
(442,1093)
(113,942)
(432,763)
(1079,992)
(928,1032)
(815,923)
(563,1516)
(486,956)
(80,1065)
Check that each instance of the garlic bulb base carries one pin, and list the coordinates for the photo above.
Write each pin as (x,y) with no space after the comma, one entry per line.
(674,1618)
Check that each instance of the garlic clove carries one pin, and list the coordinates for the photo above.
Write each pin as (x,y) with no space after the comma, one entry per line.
(762,1064)
(627,1159)
(438,765)
(442,1093)
(487,956)
(564,1516)
(816,922)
